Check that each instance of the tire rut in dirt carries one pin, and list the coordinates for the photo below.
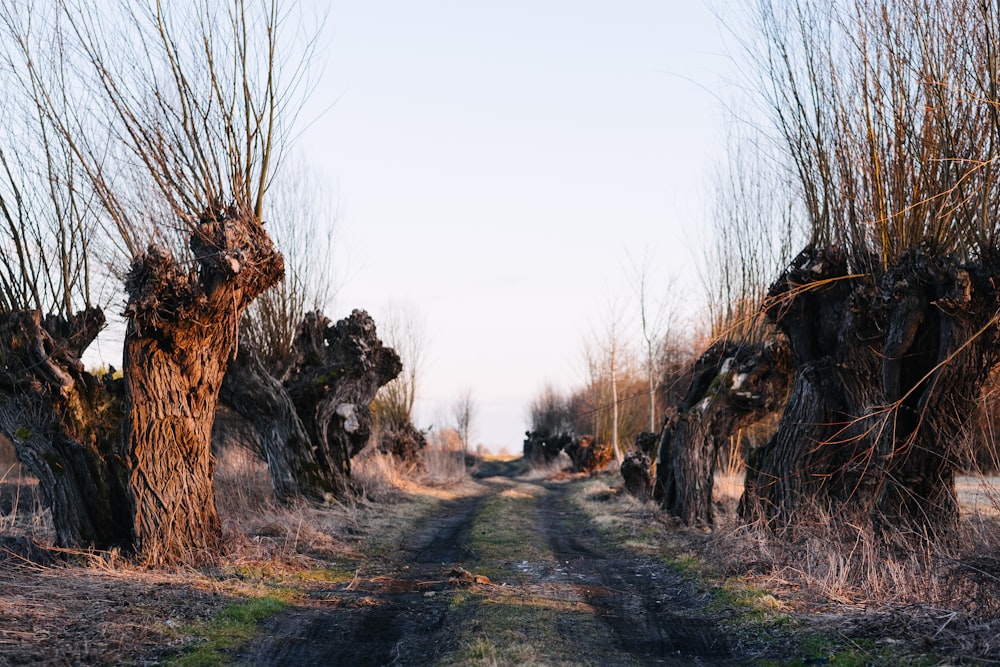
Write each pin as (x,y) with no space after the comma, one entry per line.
(652,610)
(445,536)
(307,636)
(390,619)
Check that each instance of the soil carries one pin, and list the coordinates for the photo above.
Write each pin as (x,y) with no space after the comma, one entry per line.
(386,614)
(501,570)
(402,610)
(655,614)
(63,615)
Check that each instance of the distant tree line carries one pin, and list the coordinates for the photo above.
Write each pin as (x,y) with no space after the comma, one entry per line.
(852,281)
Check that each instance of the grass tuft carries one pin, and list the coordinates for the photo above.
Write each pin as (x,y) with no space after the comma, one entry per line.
(444,464)
(377,475)
(235,625)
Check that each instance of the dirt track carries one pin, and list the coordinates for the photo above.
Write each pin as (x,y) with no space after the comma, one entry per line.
(555,594)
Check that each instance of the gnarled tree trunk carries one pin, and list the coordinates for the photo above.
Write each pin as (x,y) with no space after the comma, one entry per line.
(888,367)
(635,470)
(65,425)
(336,372)
(816,453)
(543,447)
(404,442)
(733,386)
(182,331)
(263,402)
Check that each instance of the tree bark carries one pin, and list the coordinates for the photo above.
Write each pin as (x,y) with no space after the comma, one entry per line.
(542,447)
(65,425)
(181,332)
(819,451)
(336,372)
(888,368)
(635,470)
(588,455)
(940,350)
(403,442)
(261,399)
(733,386)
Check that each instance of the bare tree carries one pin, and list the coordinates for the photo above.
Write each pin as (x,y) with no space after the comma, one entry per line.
(886,115)
(656,323)
(62,421)
(403,330)
(732,385)
(303,215)
(606,358)
(550,412)
(393,406)
(175,118)
(755,225)
(308,424)
(742,376)
(464,412)
(337,370)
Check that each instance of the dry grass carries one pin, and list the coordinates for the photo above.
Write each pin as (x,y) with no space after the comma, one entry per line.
(834,579)
(378,476)
(830,560)
(256,526)
(21,513)
(979,495)
(99,615)
(728,488)
(553,468)
(102,608)
(260,529)
(242,481)
(444,464)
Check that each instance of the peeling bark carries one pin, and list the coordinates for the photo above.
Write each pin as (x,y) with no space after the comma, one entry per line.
(733,386)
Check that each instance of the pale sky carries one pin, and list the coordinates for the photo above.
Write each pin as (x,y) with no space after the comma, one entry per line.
(494,165)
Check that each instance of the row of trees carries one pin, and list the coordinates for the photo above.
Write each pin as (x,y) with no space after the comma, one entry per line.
(887,114)
(879,148)
(876,151)
(140,146)
(627,391)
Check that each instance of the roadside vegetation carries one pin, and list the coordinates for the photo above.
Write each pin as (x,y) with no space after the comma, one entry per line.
(812,466)
(809,600)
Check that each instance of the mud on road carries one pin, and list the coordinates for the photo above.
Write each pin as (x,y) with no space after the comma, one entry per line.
(655,615)
(515,574)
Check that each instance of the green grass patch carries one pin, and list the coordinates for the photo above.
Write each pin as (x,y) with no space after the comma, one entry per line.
(523,630)
(235,625)
(503,530)
(815,649)
(685,563)
(326,575)
(738,594)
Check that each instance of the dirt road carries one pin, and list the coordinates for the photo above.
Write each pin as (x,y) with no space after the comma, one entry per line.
(512,575)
